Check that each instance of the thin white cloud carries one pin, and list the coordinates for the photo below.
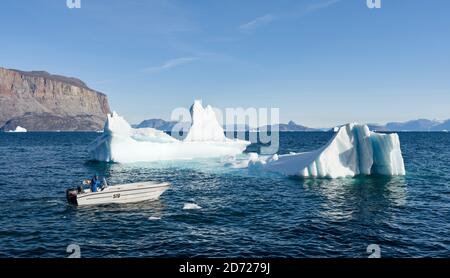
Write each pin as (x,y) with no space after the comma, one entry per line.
(322,5)
(172,63)
(259,21)
(270,18)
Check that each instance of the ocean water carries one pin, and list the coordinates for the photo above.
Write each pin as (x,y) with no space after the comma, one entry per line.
(237,214)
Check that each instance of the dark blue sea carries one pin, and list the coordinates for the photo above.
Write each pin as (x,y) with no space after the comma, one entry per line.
(242,214)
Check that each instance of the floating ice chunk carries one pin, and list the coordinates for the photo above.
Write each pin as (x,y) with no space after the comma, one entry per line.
(191,206)
(119,142)
(241,161)
(19,129)
(354,150)
(257,163)
(274,158)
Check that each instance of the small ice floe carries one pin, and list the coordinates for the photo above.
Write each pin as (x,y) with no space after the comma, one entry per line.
(241,162)
(19,129)
(191,206)
(153,218)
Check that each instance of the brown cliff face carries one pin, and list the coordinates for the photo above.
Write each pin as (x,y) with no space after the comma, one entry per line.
(33,99)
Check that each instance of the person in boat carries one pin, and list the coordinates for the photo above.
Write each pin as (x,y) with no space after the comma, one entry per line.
(95,183)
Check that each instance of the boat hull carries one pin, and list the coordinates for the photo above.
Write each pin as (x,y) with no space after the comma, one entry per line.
(124,193)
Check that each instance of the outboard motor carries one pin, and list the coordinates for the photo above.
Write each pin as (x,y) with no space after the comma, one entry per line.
(71,195)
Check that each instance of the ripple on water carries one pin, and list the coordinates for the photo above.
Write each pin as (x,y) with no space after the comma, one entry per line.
(233,212)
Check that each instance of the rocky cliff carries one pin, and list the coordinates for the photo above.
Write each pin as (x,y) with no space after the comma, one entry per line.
(40,101)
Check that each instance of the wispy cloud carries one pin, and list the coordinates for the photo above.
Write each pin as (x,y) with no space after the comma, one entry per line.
(322,5)
(172,63)
(255,23)
(270,18)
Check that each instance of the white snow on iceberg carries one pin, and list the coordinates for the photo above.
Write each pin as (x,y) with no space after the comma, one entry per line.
(205,126)
(191,206)
(122,143)
(354,150)
(19,129)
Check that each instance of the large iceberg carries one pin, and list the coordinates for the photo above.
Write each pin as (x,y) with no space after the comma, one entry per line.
(354,150)
(122,143)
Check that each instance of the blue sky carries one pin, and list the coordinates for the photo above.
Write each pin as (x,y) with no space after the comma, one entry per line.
(322,62)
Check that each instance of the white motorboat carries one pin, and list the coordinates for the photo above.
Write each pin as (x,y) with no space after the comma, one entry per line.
(123,193)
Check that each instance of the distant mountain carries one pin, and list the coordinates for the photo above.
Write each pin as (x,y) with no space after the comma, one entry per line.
(414,125)
(39,101)
(237,127)
(291,126)
(157,124)
(445,125)
(420,125)
(168,125)
(376,127)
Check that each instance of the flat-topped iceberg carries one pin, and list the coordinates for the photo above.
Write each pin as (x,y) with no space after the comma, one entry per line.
(122,143)
(354,150)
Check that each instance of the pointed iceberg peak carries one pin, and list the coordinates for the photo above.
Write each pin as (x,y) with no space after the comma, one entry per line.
(115,124)
(353,150)
(197,103)
(205,126)
(114,114)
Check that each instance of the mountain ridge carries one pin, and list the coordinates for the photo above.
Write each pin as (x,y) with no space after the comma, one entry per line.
(412,125)
(38,101)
